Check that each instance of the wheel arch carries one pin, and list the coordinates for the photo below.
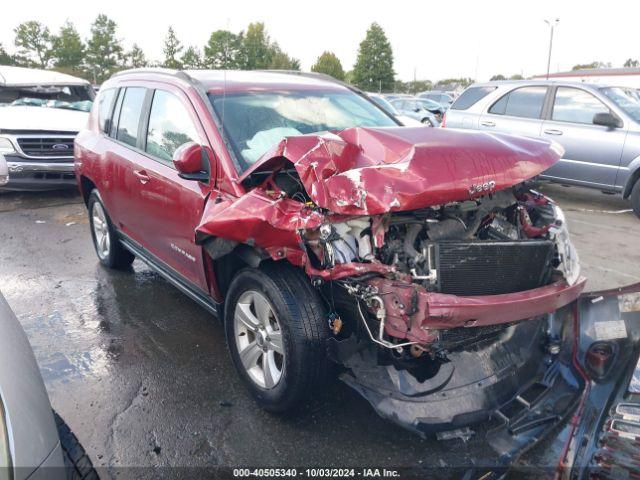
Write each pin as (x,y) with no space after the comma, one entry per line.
(228,258)
(86,186)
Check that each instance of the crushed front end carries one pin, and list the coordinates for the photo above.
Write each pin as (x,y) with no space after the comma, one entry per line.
(443,271)
(460,322)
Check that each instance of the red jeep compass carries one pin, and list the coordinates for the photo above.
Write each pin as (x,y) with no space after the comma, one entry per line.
(320,230)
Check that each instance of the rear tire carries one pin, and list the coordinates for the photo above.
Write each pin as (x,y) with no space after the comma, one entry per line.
(282,360)
(76,461)
(110,251)
(635,198)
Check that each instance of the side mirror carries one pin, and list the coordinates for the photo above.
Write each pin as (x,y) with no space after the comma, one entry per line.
(606,120)
(416,109)
(189,160)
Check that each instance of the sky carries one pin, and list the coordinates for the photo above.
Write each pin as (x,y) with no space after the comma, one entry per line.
(430,40)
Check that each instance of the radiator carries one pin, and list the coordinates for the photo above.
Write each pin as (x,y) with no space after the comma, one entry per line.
(492,267)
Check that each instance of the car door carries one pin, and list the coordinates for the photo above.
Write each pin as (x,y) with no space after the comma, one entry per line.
(121,154)
(592,152)
(518,111)
(168,208)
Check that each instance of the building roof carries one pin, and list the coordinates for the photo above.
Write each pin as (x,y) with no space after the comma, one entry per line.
(30,76)
(594,72)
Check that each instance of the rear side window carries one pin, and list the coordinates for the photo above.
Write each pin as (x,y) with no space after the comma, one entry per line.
(130,111)
(169,127)
(523,102)
(105,102)
(470,97)
(576,106)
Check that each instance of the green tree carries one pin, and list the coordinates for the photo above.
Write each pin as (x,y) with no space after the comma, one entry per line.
(135,58)
(68,48)
(104,54)
(224,50)
(34,43)
(282,61)
(329,64)
(257,49)
(5,58)
(172,49)
(373,70)
(417,86)
(517,76)
(463,82)
(631,63)
(498,77)
(192,58)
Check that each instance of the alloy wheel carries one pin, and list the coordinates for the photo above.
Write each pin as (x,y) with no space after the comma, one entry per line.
(258,338)
(100,230)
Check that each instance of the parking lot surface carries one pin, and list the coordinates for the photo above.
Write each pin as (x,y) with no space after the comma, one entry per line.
(142,374)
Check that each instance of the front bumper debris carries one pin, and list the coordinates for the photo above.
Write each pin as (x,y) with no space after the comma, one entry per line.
(569,376)
(412,313)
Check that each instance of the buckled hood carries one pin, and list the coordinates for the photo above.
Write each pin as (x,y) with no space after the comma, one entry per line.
(369,171)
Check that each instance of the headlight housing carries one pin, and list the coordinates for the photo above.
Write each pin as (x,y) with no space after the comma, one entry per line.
(4,171)
(569,261)
(5,454)
(6,146)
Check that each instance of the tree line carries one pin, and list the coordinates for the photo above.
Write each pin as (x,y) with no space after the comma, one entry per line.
(102,54)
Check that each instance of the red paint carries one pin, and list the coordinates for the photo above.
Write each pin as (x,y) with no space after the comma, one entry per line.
(359,171)
(188,158)
(369,171)
(441,311)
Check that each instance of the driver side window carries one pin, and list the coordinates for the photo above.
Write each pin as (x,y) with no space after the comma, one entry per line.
(169,127)
(576,106)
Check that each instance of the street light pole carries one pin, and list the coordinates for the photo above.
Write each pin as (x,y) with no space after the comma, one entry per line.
(552,25)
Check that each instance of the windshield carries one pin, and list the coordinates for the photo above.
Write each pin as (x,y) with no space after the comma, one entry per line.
(626,100)
(254,121)
(384,103)
(70,97)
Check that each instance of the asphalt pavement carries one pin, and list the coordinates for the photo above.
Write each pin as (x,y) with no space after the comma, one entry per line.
(143,377)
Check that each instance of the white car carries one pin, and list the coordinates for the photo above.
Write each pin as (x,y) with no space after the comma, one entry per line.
(40,115)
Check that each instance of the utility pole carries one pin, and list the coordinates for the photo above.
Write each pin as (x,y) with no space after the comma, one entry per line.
(552,24)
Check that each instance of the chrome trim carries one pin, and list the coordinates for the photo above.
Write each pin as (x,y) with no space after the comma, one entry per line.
(18,167)
(580,162)
(14,140)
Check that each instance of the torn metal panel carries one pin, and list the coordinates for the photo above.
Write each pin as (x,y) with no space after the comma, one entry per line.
(259,219)
(413,313)
(368,171)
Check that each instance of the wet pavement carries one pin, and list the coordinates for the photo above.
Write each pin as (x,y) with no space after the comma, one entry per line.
(142,374)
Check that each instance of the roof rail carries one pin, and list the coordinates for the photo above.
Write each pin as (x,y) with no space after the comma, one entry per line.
(162,71)
(317,75)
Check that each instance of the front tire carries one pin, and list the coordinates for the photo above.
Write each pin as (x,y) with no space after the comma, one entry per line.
(276,327)
(635,198)
(110,251)
(77,463)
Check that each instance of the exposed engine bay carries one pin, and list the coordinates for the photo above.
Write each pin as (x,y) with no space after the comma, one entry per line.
(439,264)
(503,242)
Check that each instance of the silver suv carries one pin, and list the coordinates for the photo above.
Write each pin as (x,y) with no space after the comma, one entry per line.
(598,126)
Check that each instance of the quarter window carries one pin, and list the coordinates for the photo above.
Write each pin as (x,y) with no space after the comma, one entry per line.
(105,102)
(576,106)
(130,115)
(470,97)
(169,127)
(523,102)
